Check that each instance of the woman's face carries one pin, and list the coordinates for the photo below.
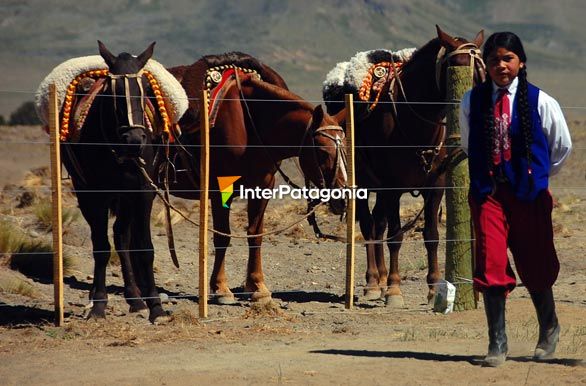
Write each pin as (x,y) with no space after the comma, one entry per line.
(503,66)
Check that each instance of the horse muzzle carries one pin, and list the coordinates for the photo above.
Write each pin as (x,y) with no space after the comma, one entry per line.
(133,141)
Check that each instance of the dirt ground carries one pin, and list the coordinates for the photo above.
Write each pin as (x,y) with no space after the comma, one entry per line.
(305,336)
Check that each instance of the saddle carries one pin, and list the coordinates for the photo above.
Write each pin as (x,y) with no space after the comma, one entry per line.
(80,97)
(79,80)
(218,80)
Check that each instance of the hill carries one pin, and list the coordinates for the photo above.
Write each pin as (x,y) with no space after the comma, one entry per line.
(303,39)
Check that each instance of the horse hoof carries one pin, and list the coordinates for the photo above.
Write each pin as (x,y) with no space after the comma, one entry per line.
(394,301)
(261,297)
(144,313)
(227,299)
(370,295)
(137,307)
(430,298)
(160,319)
(93,314)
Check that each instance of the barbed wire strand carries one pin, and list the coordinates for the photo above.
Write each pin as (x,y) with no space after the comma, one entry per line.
(341,101)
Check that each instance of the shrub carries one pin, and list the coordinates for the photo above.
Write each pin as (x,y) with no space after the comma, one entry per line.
(25,114)
(31,257)
(44,212)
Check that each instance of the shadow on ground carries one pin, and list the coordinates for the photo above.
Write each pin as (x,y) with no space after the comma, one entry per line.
(428,356)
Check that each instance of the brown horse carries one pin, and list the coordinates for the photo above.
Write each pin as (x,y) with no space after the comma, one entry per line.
(257,123)
(399,149)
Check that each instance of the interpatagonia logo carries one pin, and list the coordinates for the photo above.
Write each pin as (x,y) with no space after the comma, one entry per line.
(227,188)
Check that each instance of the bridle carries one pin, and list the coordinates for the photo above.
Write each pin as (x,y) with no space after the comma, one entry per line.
(124,128)
(337,140)
(476,62)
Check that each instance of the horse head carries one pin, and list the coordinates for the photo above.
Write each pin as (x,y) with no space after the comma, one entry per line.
(123,98)
(323,157)
(458,51)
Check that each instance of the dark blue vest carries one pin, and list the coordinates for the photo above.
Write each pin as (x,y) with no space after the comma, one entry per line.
(515,170)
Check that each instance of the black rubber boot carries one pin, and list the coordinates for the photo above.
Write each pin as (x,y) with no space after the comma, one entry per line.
(549,328)
(494,305)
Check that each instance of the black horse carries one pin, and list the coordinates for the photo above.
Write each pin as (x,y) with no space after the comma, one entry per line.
(106,165)
(400,146)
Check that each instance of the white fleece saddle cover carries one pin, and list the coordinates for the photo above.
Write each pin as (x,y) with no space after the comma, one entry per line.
(173,93)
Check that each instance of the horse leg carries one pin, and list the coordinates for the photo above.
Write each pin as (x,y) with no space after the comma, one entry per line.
(432,199)
(143,256)
(122,242)
(255,281)
(95,212)
(219,281)
(393,295)
(372,290)
(380,225)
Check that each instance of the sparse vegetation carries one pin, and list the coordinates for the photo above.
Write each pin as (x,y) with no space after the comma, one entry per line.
(25,114)
(13,285)
(31,257)
(10,238)
(44,212)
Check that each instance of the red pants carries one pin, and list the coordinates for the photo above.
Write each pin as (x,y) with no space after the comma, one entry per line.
(526,228)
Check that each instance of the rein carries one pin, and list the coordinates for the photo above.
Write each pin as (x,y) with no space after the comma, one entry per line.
(442,57)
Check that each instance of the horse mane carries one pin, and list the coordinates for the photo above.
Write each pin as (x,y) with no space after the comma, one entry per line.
(431,46)
(276,92)
(237,58)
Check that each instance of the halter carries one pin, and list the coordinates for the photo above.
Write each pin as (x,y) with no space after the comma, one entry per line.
(467,48)
(129,111)
(340,151)
(125,77)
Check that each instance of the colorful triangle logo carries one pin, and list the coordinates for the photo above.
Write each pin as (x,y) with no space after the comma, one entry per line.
(226,185)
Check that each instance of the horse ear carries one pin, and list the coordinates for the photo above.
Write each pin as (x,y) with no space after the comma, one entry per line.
(445,39)
(318,115)
(106,54)
(146,55)
(479,39)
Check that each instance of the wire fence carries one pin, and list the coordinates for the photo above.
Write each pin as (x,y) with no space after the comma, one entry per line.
(45,188)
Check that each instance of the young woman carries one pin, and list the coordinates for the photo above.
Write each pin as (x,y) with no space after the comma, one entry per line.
(516,137)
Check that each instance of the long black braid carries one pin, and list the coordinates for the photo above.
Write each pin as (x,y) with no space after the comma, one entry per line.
(525,119)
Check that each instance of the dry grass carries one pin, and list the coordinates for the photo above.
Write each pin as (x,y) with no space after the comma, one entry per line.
(31,257)
(10,238)
(266,309)
(185,317)
(17,286)
(183,207)
(44,212)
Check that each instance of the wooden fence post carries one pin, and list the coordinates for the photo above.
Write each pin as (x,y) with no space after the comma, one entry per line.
(57,226)
(351,210)
(458,229)
(203,205)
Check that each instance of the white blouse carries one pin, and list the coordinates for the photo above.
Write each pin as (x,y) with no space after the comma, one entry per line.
(552,119)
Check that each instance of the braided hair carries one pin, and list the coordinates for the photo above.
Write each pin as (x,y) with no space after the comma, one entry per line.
(510,42)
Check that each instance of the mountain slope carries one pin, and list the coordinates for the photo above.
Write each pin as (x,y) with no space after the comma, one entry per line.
(303,39)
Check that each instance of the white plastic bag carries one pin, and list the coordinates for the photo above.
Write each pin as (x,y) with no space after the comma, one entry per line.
(445,294)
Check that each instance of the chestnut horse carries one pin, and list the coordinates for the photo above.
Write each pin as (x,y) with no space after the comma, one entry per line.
(257,123)
(400,148)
